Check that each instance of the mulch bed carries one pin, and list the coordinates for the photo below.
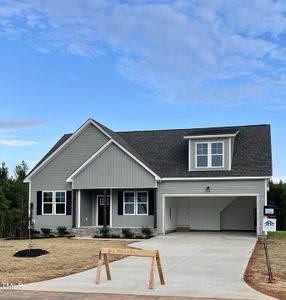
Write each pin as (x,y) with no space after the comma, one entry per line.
(30,253)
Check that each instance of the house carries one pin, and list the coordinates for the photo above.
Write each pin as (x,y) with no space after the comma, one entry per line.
(187,179)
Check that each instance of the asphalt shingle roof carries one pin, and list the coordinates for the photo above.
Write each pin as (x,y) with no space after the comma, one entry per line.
(166,151)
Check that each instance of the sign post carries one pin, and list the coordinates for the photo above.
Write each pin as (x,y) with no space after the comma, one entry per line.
(269,225)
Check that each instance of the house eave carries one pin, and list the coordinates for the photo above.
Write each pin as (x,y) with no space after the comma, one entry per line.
(214,178)
(211,136)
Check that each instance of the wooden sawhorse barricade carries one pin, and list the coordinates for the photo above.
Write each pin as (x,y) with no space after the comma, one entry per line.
(154,254)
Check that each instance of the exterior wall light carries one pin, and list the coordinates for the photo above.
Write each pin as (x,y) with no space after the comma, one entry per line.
(208,189)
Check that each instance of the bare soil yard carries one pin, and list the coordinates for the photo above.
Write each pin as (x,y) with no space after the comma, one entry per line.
(256,273)
(67,256)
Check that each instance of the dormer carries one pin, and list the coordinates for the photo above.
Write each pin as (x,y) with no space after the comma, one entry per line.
(211,149)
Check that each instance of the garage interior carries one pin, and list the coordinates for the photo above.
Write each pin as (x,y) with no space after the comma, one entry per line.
(212,213)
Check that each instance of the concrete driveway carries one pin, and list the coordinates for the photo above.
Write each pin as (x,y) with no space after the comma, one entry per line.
(195,265)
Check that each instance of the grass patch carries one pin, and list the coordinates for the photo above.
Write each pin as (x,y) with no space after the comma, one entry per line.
(277,235)
(65,257)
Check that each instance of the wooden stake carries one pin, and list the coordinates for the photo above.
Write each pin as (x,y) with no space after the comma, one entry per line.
(160,270)
(99,266)
(152,271)
(106,262)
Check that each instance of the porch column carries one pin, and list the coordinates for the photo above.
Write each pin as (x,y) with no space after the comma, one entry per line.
(78,208)
(105,208)
(74,208)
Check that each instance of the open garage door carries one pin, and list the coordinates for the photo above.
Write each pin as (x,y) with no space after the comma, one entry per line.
(210,213)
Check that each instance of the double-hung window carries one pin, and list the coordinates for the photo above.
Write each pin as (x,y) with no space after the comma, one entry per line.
(129,203)
(202,155)
(60,203)
(209,155)
(217,154)
(135,203)
(142,203)
(47,203)
(54,202)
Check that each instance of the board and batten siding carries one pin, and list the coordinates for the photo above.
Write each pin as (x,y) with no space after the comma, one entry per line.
(128,221)
(113,168)
(225,151)
(53,176)
(222,187)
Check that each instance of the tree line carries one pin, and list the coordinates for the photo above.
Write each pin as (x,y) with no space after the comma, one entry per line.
(14,198)
(277,197)
(14,202)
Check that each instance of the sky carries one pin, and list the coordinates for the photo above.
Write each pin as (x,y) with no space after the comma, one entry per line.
(139,65)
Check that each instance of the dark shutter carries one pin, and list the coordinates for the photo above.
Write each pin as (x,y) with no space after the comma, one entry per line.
(39,202)
(69,203)
(120,203)
(151,203)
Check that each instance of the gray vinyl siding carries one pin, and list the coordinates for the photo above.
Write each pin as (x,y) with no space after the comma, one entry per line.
(226,153)
(116,169)
(52,222)
(128,221)
(86,208)
(227,187)
(53,176)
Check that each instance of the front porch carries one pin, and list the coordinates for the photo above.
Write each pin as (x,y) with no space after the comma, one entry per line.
(116,208)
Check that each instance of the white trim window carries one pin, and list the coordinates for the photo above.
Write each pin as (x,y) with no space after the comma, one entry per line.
(129,203)
(47,203)
(202,155)
(209,154)
(136,203)
(60,202)
(142,203)
(217,154)
(54,203)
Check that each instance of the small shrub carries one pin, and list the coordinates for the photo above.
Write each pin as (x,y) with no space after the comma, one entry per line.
(62,230)
(34,232)
(146,231)
(139,237)
(104,231)
(46,231)
(115,236)
(127,233)
(96,236)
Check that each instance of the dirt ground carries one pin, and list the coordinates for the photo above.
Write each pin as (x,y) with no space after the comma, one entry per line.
(256,273)
(27,295)
(67,256)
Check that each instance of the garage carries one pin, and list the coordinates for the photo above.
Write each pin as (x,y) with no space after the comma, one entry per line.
(210,213)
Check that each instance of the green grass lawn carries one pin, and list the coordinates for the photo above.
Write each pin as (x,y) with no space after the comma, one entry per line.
(277,235)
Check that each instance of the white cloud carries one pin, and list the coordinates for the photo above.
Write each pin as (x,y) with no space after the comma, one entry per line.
(16,143)
(11,124)
(210,51)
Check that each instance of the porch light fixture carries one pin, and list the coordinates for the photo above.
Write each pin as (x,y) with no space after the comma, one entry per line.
(208,189)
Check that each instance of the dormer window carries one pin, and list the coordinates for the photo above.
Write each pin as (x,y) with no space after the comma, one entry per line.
(209,154)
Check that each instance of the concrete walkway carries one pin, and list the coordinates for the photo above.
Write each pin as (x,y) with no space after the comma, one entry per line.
(195,265)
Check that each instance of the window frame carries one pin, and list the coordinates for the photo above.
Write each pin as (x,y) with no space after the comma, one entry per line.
(134,204)
(135,212)
(43,203)
(209,155)
(55,203)
(147,203)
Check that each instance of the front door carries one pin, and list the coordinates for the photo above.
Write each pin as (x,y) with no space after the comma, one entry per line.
(100,203)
